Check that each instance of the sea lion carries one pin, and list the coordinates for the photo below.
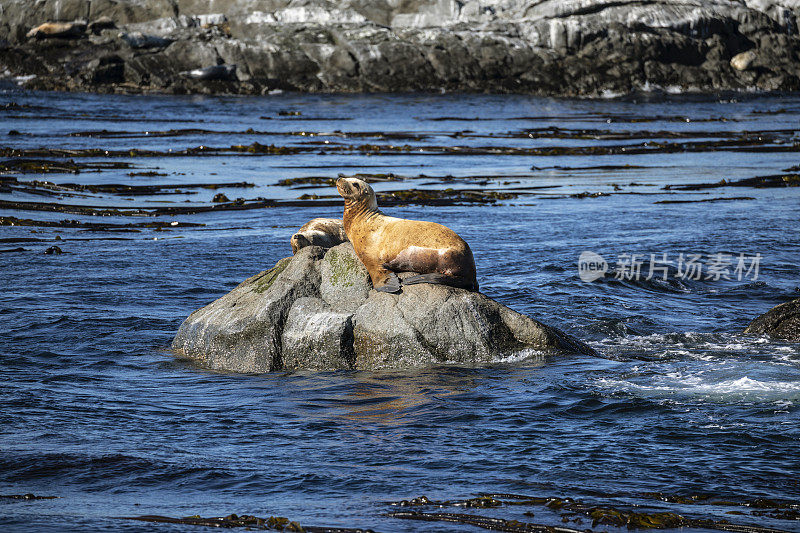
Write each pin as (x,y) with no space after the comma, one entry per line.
(57,29)
(325,232)
(387,245)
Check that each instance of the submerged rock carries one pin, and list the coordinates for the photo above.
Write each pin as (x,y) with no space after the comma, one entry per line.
(317,311)
(782,322)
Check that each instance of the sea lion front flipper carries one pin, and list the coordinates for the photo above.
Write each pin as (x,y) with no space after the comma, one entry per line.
(392,284)
(438,279)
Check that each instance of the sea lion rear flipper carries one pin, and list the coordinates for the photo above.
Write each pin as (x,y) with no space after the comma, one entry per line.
(438,279)
(392,284)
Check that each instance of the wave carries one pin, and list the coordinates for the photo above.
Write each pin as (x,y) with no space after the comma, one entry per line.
(702,384)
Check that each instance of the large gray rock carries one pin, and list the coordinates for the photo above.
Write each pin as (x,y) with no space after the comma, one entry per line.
(242,331)
(782,322)
(560,47)
(317,311)
(317,337)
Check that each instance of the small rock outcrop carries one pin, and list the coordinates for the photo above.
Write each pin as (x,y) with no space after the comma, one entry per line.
(317,311)
(782,322)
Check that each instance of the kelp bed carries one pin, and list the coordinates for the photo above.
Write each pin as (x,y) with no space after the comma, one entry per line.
(536,514)
(124,170)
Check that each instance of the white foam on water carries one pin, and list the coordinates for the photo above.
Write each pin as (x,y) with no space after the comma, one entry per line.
(698,346)
(706,384)
(525,354)
(716,367)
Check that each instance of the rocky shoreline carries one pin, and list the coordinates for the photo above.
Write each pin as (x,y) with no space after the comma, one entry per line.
(560,48)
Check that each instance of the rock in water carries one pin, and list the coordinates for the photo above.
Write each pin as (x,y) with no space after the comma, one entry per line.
(782,322)
(317,311)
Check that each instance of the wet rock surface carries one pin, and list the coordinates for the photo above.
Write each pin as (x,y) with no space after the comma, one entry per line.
(317,311)
(782,322)
(575,47)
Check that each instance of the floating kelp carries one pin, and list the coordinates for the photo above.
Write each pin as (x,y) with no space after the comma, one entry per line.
(74,209)
(570,509)
(443,196)
(182,132)
(554,132)
(48,166)
(256,148)
(485,522)
(309,180)
(758,182)
(128,190)
(630,119)
(146,174)
(705,200)
(41,166)
(587,194)
(743,143)
(783,510)
(95,226)
(272,523)
(390,177)
(28,496)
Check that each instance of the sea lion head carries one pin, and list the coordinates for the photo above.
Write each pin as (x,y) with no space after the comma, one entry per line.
(298,242)
(357,191)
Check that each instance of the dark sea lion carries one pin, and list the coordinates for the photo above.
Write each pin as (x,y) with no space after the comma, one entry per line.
(387,245)
(325,232)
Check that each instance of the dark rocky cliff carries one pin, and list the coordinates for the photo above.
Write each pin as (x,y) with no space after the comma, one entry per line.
(554,47)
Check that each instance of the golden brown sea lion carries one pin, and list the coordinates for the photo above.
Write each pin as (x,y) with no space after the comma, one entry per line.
(325,232)
(387,245)
(57,29)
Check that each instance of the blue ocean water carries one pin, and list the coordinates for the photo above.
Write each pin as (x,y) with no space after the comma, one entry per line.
(97,411)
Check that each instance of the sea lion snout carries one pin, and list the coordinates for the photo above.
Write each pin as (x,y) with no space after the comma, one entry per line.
(356,190)
(298,241)
(344,188)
